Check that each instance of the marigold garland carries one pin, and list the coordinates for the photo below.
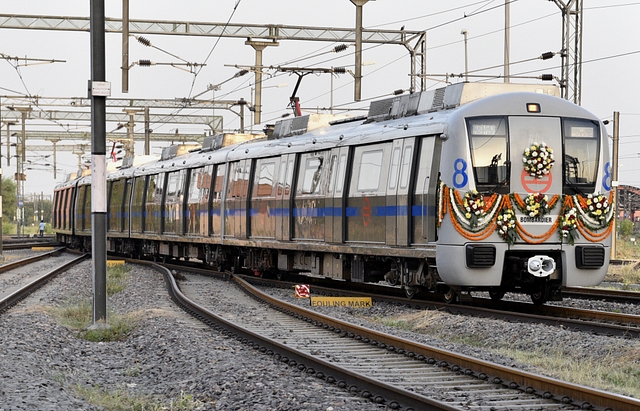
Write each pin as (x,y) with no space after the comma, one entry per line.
(495,214)
(535,205)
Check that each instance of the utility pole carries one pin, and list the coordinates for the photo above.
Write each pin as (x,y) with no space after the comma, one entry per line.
(358,76)
(20,176)
(571,49)
(125,46)
(258,46)
(100,90)
(507,29)
(130,146)
(614,181)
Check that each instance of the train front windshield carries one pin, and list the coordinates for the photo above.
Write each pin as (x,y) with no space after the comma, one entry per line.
(499,144)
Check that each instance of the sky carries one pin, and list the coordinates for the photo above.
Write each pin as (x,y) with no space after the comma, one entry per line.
(611,58)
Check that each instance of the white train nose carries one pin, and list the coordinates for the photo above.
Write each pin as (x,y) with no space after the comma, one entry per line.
(541,266)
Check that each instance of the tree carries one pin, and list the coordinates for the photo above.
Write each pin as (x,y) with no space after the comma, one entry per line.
(625,228)
(9,200)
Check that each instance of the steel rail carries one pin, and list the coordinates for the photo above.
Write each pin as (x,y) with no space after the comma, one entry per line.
(395,397)
(548,387)
(29,260)
(24,291)
(617,296)
(24,246)
(600,322)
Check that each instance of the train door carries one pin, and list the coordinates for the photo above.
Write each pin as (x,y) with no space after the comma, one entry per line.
(125,205)
(424,208)
(114,205)
(138,212)
(283,197)
(398,199)
(310,194)
(216,222)
(236,199)
(172,205)
(334,205)
(366,204)
(153,203)
(263,198)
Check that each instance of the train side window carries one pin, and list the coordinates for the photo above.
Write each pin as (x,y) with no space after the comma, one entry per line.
(488,139)
(239,179)
(395,165)
(370,169)
(265,178)
(219,183)
(406,166)
(174,186)
(195,185)
(332,173)
(342,172)
(309,179)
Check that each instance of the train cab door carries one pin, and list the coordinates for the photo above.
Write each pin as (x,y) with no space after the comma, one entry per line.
(525,131)
(397,197)
(424,208)
(334,203)
(283,197)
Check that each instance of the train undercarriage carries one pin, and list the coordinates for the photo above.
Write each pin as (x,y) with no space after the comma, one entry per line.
(413,275)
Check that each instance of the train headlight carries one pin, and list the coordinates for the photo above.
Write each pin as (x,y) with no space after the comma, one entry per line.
(533,108)
(541,266)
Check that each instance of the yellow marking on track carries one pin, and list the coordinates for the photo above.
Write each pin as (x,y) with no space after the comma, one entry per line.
(111,263)
(353,302)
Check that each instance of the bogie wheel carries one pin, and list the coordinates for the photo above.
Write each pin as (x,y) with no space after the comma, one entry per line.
(496,294)
(449,295)
(540,297)
(410,292)
(281,275)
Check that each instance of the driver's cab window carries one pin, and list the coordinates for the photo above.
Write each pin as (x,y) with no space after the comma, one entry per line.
(488,140)
(581,154)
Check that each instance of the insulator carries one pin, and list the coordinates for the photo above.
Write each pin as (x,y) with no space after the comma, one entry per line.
(144,63)
(339,70)
(241,73)
(546,77)
(398,92)
(144,41)
(339,48)
(547,55)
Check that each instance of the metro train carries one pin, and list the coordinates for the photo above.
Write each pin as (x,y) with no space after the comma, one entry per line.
(471,187)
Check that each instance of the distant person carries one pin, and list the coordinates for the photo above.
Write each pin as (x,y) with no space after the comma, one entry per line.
(42,227)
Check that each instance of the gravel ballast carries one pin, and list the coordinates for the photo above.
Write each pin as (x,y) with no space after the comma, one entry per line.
(45,366)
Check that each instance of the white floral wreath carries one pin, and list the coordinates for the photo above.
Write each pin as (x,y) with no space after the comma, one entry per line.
(538,160)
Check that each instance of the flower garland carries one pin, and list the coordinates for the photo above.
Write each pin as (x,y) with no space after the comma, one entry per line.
(506,223)
(538,160)
(474,206)
(595,211)
(472,211)
(496,213)
(535,205)
(568,225)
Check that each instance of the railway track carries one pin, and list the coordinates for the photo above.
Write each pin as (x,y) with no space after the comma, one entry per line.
(25,282)
(604,294)
(389,370)
(590,321)
(23,243)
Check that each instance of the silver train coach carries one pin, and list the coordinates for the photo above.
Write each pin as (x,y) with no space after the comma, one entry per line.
(472,187)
